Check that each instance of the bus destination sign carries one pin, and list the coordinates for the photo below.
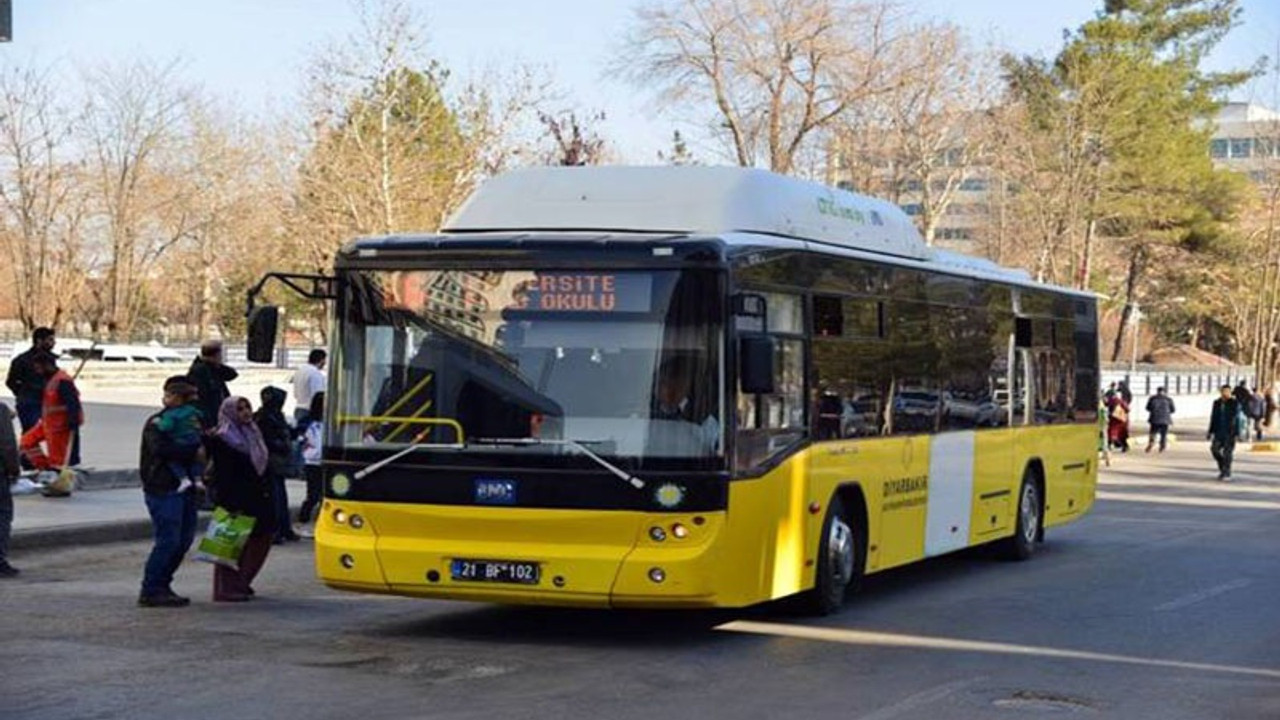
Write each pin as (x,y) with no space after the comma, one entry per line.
(587,292)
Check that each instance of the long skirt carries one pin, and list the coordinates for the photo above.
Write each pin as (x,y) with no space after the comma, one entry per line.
(237,585)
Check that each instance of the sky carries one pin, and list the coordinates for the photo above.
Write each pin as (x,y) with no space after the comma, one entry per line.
(253,52)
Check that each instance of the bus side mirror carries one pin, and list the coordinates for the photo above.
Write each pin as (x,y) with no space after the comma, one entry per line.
(263,323)
(755,364)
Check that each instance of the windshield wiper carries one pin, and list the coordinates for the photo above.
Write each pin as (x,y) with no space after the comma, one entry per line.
(579,445)
(417,445)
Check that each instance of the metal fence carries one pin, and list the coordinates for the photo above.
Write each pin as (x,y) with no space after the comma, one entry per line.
(1177,380)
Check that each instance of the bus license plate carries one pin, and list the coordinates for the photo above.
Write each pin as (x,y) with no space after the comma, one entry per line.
(496,571)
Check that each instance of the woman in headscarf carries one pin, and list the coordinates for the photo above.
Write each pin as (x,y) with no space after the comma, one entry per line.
(241,483)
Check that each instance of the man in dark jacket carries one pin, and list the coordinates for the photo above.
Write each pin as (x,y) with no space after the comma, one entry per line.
(1224,428)
(26,384)
(173,513)
(1159,418)
(210,377)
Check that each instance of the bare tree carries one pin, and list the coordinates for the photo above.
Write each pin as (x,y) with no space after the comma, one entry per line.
(919,141)
(574,141)
(133,125)
(40,201)
(776,71)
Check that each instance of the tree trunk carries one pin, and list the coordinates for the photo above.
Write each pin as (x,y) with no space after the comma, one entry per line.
(1136,257)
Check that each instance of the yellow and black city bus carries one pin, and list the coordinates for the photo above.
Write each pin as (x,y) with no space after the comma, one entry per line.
(687,387)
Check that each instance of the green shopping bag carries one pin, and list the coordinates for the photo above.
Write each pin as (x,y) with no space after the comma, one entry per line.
(225,538)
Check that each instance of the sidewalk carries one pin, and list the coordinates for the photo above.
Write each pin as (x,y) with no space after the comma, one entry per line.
(93,516)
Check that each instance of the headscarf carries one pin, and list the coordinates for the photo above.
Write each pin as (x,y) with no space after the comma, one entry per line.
(275,429)
(243,436)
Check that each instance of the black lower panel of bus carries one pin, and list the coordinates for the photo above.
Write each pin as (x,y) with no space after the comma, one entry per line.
(534,487)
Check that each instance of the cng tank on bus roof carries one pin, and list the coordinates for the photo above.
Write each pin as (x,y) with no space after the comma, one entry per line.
(686,200)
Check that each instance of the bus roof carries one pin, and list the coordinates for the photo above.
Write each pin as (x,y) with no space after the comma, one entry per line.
(687,200)
(741,206)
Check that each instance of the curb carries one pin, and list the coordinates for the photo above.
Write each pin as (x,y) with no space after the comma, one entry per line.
(87,534)
(101,533)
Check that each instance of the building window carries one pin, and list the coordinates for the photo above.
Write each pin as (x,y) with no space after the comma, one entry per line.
(913,208)
(974,185)
(1241,147)
(1218,148)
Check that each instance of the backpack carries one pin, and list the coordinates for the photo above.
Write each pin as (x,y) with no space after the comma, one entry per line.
(1257,406)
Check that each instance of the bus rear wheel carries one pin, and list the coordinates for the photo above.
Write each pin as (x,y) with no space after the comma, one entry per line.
(837,563)
(1030,515)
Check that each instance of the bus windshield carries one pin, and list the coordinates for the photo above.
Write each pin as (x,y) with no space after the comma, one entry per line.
(626,362)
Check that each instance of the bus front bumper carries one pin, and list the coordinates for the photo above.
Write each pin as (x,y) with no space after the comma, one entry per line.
(584,558)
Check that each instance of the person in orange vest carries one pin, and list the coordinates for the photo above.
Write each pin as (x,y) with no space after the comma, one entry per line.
(61,416)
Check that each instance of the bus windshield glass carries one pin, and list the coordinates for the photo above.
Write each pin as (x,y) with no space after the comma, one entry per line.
(626,362)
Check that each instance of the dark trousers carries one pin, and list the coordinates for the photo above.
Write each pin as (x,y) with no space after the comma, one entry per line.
(315,492)
(280,503)
(173,524)
(28,415)
(1159,430)
(1223,450)
(231,584)
(6,517)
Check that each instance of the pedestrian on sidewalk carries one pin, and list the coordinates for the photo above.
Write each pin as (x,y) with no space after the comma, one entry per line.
(1242,395)
(54,442)
(10,468)
(240,466)
(308,380)
(210,375)
(278,436)
(181,428)
(172,509)
(1159,417)
(1118,422)
(1224,429)
(1257,410)
(312,450)
(26,384)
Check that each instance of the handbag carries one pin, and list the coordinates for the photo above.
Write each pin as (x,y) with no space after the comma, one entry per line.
(225,538)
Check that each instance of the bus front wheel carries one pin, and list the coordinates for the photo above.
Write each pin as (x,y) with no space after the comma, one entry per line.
(1030,515)
(837,562)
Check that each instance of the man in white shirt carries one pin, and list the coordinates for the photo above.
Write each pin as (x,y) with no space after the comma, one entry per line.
(308,380)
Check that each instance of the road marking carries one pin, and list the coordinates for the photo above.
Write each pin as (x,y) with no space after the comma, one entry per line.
(920,699)
(1181,524)
(924,642)
(1182,500)
(1212,485)
(1202,595)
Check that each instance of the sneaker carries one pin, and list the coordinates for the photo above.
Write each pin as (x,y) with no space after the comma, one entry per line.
(7,570)
(163,600)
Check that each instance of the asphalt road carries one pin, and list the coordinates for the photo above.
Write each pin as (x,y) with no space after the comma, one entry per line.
(1162,604)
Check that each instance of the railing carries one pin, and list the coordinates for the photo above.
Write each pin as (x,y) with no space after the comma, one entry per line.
(1177,380)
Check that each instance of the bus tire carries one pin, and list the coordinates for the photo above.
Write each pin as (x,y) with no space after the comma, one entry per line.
(1030,509)
(837,563)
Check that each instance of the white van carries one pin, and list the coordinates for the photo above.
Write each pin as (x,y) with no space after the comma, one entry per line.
(78,349)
